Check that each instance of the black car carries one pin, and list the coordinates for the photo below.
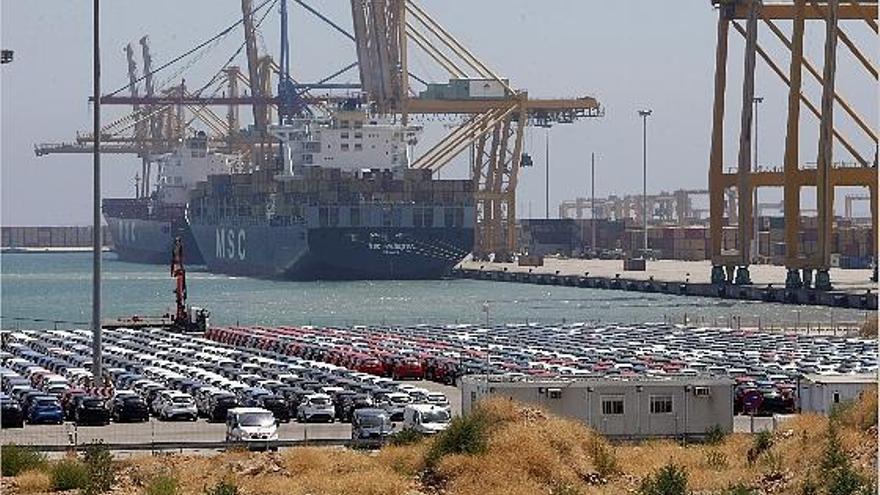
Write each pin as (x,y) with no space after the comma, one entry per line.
(277,406)
(130,409)
(91,411)
(11,415)
(352,403)
(219,406)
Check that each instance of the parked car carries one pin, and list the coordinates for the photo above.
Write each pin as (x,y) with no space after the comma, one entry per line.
(92,411)
(220,405)
(426,419)
(251,425)
(177,405)
(130,409)
(394,403)
(277,406)
(11,415)
(45,409)
(370,425)
(316,407)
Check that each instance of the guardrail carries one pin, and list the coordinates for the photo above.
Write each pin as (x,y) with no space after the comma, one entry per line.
(215,445)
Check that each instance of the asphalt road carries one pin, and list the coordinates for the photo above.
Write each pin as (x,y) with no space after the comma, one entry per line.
(155,431)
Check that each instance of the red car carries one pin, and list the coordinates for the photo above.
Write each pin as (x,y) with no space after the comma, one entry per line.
(408,368)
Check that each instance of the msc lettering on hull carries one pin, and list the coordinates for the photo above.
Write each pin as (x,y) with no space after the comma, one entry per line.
(230,244)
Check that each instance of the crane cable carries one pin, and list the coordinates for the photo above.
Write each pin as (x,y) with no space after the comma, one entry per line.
(191,51)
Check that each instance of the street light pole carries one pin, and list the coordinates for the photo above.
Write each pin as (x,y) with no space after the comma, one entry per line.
(547,178)
(645,114)
(97,238)
(757,215)
(593,201)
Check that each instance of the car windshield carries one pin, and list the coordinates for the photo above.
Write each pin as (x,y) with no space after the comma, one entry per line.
(93,403)
(372,421)
(439,416)
(182,400)
(400,399)
(256,419)
(47,402)
(319,401)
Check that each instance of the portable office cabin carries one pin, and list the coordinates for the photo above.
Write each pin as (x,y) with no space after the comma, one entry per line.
(821,393)
(636,407)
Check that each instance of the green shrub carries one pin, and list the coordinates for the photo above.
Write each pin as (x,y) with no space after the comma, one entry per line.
(762,443)
(99,463)
(603,457)
(833,457)
(845,481)
(837,473)
(69,474)
(668,480)
(716,460)
(406,436)
(739,489)
(809,487)
(715,435)
(162,484)
(15,459)
(226,486)
(465,435)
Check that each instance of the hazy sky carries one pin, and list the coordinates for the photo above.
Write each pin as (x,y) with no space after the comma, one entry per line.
(629,54)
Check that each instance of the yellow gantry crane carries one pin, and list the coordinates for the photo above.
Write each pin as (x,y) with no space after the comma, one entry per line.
(495,114)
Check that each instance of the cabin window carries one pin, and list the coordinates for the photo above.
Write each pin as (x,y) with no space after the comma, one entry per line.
(355,217)
(358,135)
(358,147)
(836,397)
(661,404)
(612,406)
(344,146)
(344,135)
(343,124)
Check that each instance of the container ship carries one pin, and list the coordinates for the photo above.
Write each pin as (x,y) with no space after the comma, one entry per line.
(340,203)
(144,228)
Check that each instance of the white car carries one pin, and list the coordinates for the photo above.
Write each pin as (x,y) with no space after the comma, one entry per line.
(426,419)
(394,403)
(177,405)
(251,424)
(316,407)
(438,399)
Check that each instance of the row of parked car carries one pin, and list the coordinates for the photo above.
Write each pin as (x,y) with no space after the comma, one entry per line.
(45,376)
(765,365)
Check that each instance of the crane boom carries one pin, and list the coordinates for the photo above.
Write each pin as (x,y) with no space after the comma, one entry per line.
(253,60)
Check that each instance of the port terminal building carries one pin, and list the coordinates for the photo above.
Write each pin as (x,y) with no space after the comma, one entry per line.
(619,408)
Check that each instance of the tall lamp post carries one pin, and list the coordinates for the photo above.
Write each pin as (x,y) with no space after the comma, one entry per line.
(97,238)
(756,245)
(644,114)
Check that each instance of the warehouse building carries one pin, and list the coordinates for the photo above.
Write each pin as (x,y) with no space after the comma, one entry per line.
(821,393)
(640,407)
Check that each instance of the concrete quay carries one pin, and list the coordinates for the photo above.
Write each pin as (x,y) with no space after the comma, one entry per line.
(852,288)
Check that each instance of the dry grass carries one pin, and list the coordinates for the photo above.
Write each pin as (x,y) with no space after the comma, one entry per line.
(869,329)
(527,452)
(33,481)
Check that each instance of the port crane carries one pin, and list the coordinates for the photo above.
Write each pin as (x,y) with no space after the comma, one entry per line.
(494,114)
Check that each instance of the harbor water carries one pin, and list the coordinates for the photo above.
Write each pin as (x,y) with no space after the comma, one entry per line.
(56,287)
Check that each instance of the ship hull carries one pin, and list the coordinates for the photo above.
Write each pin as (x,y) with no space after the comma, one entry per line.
(140,240)
(295,252)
